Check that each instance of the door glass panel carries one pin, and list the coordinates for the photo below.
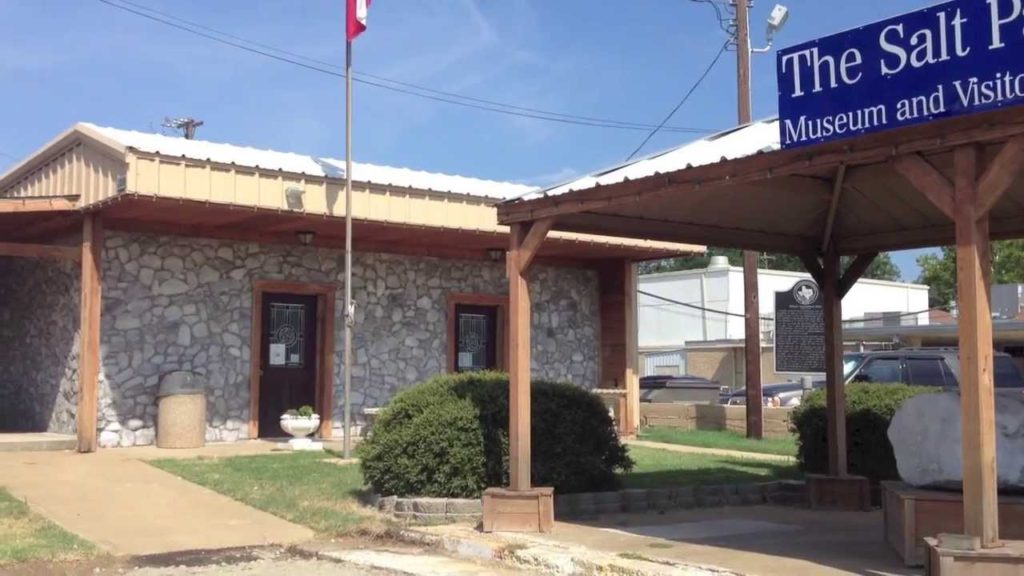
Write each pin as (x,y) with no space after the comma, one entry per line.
(287,335)
(473,340)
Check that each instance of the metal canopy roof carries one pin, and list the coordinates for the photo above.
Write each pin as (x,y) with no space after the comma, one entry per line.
(781,200)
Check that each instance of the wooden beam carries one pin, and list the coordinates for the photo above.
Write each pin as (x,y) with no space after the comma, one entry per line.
(519,362)
(981,512)
(833,207)
(531,243)
(89,328)
(48,251)
(928,181)
(835,386)
(18,205)
(813,267)
(857,269)
(999,175)
(752,348)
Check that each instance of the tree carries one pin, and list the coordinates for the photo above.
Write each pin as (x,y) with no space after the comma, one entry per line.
(938,271)
(883,268)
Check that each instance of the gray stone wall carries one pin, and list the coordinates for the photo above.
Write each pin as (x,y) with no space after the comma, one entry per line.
(39,303)
(172,303)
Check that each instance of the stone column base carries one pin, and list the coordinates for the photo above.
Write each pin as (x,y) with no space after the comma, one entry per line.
(508,510)
(839,492)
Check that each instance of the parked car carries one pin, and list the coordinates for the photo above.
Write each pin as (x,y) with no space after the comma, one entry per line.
(914,366)
(692,389)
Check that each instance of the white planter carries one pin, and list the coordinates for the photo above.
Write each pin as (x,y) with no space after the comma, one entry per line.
(300,427)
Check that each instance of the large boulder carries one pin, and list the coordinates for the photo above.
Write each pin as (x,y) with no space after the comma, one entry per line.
(926,437)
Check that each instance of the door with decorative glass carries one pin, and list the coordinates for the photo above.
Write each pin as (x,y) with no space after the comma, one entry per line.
(288,358)
(476,341)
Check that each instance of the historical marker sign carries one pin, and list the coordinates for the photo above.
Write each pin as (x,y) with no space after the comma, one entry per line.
(799,330)
(947,60)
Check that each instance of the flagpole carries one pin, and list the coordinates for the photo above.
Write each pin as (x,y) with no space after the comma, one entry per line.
(349,307)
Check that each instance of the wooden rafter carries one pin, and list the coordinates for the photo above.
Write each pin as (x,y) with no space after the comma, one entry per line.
(837,192)
(929,181)
(1000,174)
(46,251)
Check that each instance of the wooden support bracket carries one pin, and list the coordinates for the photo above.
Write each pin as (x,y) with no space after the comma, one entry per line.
(929,181)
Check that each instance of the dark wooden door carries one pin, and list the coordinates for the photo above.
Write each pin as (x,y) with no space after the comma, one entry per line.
(476,338)
(288,358)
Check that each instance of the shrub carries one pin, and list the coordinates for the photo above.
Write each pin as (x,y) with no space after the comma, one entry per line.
(448,437)
(869,409)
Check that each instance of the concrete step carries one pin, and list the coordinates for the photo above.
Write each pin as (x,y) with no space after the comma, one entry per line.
(36,442)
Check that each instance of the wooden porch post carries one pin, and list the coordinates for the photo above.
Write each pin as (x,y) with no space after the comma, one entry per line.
(519,364)
(981,510)
(521,508)
(631,416)
(967,201)
(89,332)
(835,388)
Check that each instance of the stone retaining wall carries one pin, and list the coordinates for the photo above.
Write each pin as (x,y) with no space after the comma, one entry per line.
(714,417)
(592,504)
(432,510)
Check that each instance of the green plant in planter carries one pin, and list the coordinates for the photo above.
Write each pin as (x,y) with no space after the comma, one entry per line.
(305,411)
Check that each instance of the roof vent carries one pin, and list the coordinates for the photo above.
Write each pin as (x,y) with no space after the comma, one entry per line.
(718,263)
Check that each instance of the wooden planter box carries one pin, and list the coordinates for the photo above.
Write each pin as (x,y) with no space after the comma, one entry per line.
(912,514)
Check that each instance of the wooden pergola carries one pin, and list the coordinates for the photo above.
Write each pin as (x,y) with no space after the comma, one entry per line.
(955,181)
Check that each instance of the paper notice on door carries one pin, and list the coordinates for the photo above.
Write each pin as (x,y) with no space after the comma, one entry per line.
(465,359)
(277,354)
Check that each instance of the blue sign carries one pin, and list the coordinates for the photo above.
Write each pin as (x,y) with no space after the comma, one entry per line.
(948,60)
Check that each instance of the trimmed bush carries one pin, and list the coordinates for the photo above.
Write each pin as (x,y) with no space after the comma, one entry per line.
(869,409)
(448,437)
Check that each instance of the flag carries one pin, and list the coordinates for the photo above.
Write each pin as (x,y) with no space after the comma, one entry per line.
(357,17)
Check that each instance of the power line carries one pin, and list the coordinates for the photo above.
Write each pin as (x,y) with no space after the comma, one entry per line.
(723,22)
(684,99)
(379,81)
(6,155)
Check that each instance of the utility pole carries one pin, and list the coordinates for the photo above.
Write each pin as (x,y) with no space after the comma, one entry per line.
(751,309)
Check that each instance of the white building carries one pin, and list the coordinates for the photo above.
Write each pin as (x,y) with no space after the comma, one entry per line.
(686,314)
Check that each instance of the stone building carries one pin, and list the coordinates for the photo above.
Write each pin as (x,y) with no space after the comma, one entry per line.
(125,256)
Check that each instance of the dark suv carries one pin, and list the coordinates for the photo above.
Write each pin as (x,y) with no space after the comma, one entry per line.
(914,366)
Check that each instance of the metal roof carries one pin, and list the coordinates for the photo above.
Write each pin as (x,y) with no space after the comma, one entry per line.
(203,150)
(747,140)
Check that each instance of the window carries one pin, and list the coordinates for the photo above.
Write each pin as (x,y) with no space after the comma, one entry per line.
(287,335)
(881,371)
(928,372)
(1006,373)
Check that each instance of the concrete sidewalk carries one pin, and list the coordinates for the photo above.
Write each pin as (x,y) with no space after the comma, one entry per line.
(126,506)
(711,451)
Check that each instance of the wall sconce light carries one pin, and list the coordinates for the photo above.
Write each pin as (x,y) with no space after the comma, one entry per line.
(305,237)
(495,254)
(293,197)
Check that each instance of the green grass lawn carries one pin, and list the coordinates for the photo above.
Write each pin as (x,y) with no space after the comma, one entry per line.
(723,439)
(301,487)
(663,469)
(25,535)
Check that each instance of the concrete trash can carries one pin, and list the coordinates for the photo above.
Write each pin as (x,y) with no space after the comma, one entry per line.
(181,411)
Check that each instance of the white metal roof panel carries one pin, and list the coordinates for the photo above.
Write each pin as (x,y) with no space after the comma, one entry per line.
(754,138)
(310,165)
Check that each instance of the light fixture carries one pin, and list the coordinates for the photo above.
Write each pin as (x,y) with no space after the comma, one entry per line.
(776,21)
(305,237)
(293,196)
(495,254)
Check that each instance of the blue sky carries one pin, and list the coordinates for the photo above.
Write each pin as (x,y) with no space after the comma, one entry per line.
(64,61)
